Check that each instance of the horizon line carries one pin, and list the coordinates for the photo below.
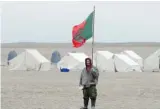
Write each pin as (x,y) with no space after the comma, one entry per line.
(71,42)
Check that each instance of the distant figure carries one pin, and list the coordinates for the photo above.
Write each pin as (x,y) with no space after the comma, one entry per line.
(88,81)
(56,57)
(11,55)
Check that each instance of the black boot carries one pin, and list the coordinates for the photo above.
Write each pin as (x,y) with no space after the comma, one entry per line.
(86,100)
(93,103)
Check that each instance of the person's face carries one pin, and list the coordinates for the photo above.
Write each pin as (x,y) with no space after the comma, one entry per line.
(88,62)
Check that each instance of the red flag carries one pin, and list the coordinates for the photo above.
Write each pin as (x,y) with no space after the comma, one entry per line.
(82,32)
(77,40)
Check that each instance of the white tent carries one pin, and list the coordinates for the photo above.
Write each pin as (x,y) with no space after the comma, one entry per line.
(135,57)
(152,62)
(72,61)
(30,59)
(124,64)
(104,61)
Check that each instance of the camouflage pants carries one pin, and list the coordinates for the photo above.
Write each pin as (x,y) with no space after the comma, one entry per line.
(90,92)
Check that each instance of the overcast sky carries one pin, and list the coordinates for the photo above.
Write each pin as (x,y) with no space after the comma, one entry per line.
(53,21)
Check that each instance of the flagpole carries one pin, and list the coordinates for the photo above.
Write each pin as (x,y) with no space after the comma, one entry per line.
(93,33)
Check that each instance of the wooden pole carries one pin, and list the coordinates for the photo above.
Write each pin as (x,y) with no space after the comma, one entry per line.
(93,32)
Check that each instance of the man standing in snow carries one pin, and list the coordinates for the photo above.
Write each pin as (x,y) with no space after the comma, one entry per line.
(88,81)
